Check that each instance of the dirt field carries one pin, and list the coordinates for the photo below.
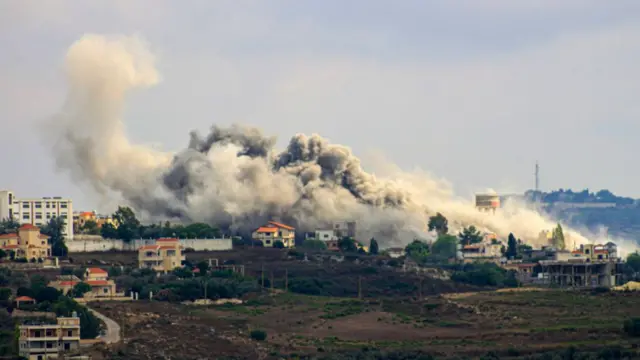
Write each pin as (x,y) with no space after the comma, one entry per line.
(509,324)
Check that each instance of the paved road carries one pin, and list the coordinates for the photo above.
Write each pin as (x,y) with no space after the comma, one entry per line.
(113,329)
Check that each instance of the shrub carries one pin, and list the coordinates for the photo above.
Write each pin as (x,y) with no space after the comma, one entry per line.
(258,335)
(632,327)
(312,244)
(278,244)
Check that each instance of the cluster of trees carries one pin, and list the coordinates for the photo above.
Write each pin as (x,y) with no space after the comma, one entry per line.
(584,196)
(48,299)
(127,227)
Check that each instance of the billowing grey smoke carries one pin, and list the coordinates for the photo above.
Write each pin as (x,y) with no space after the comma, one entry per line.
(233,177)
(311,165)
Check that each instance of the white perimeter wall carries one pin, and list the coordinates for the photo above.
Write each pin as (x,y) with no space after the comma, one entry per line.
(95,243)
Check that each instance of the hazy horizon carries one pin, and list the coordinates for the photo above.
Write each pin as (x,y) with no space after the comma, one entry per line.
(474,93)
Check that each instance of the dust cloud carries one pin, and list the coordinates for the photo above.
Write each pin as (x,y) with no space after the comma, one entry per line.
(234,177)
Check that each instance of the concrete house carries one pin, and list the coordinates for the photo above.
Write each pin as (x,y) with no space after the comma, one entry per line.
(27,243)
(100,284)
(163,256)
(40,340)
(274,231)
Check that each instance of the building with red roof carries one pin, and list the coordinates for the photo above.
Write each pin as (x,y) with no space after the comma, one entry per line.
(27,243)
(163,256)
(274,231)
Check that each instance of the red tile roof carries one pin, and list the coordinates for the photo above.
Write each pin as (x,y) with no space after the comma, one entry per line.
(150,247)
(167,247)
(281,225)
(167,240)
(9,236)
(68,283)
(97,271)
(28,227)
(25,298)
(11,246)
(265,229)
(87,213)
(98,282)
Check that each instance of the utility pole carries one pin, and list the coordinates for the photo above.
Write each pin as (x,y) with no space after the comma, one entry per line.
(286,280)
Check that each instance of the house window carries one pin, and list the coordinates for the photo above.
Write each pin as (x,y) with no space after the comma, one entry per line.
(47,205)
(69,334)
(25,216)
(280,234)
(38,215)
(326,236)
(105,290)
(67,346)
(268,241)
(171,253)
(63,205)
(38,205)
(25,205)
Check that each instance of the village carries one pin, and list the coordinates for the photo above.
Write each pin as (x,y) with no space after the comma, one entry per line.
(94,274)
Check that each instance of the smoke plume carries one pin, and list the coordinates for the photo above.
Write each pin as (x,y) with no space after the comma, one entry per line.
(234,177)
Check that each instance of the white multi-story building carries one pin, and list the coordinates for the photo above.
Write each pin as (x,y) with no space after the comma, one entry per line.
(37,211)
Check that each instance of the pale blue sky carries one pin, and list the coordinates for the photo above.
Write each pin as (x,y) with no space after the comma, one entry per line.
(471,91)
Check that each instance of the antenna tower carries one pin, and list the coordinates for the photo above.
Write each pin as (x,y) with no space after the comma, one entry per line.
(537,177)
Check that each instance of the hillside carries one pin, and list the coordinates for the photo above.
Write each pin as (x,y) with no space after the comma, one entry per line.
(594,211)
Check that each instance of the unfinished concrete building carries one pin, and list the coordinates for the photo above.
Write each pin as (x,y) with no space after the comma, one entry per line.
(580,274)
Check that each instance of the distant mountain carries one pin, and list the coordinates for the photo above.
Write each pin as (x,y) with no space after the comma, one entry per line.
(620,216)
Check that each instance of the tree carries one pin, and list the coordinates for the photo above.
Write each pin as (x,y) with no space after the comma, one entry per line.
(445,247)
(558,238)
(512,247)
(90,227)
(109,231)
(373,247)
(47,294)
(258,335)
(80,289)
(417,250)
(312,244)
(5,294)
(633,262)
(54,229)
(3,254)
(278,244)
(347,244)
(8,226)
(439,223)
(470,235)
(203,266)
(128,224)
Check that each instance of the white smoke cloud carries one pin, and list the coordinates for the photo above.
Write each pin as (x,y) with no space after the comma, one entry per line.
(234,177)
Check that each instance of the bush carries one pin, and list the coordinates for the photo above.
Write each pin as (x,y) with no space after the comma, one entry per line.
(278,244)
(258,335)
(314,245)
(632,327)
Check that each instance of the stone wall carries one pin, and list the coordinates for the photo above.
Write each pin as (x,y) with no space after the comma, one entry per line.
(93,243)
